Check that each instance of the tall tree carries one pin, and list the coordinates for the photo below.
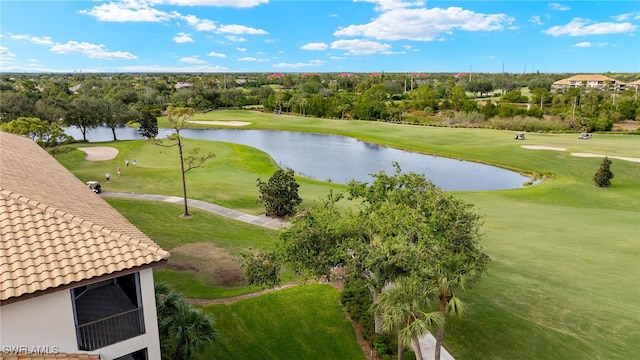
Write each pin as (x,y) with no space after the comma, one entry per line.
(451,274)
(148,125)
(405,308)
(179,117)
(86,113)
(117,115)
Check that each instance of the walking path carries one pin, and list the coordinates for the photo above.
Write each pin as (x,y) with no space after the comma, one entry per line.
(259,220)
(427,342)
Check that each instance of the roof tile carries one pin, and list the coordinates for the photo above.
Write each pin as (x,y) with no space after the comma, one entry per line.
(54,230)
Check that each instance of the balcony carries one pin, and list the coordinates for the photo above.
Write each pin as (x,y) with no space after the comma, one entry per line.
(110,330)
(108,312)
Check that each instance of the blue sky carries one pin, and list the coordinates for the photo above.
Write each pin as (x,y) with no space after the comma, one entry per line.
(319,36)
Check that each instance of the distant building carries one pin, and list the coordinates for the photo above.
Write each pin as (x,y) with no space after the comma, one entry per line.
(74,89)
(597,82)
(75,276)
(182,85)
(275,76)
(634,85)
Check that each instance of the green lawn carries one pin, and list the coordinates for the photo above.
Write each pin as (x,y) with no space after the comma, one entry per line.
(565,281)
(304,322)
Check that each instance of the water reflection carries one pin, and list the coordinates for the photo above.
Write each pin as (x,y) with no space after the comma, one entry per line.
(341,159)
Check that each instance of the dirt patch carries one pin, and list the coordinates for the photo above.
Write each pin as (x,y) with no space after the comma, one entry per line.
(211,261)
(222,123)
(540,147)
(625,158)
(99,153)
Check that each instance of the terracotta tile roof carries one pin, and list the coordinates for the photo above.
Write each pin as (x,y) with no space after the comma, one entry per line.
(15,356)
(54,230)
(587,77)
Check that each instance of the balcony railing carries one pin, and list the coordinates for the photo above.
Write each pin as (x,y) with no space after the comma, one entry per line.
(110,330)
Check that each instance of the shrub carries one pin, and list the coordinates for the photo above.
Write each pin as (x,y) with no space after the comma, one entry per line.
(280,193)
(262,269)
(602,177)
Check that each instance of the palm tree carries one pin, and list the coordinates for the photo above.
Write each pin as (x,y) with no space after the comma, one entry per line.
(450,275)
(404,307)
(184,331)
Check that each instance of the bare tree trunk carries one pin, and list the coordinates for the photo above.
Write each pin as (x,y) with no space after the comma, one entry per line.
(184,181)
(83,130)
(377,318)
(416,347)
(400,347)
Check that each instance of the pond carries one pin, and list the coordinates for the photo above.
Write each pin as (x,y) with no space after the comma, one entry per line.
(340,159)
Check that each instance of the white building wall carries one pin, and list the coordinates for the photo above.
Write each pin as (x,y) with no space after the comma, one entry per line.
(43,321)
(47,322)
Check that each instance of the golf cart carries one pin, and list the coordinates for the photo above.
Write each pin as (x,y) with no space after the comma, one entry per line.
(519,136)
(95,186)
(585,136)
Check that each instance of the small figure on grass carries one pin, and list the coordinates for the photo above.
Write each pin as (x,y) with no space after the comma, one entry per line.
(118,170)
(107,177)
(602,177)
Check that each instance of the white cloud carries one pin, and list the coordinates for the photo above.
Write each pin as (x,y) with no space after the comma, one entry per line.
(252,59)
(311,63)
(45,40)
(209,25)
(635,15)
(199,24)
(215,54)
(241,49)
(386,5)
(236,38)
(587,44)
(93,51)
(6,53)
(218,3)
(314,46)
(360,47)
(127,11)
(425,24)
(581,27)
(192,60)
(536,20)
(559,7)
(181,38)
(240,29)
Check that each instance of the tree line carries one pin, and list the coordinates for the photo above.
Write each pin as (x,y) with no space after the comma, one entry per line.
(478,100)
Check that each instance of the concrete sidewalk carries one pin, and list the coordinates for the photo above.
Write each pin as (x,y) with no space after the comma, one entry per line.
(428,348)
(262,220)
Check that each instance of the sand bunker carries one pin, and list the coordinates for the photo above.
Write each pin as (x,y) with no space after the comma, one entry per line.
(625,158)
(222,123)
(99,153)
(540,147)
